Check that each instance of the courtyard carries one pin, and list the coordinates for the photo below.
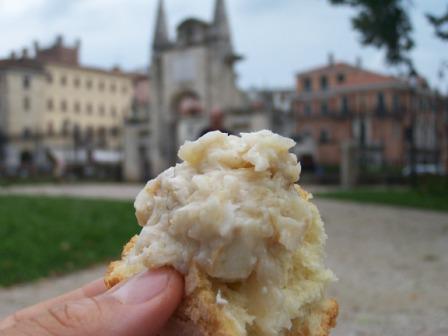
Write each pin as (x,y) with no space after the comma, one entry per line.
(391,263)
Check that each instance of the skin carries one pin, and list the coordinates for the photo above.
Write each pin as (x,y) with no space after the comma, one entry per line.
(140,306)
(216,119)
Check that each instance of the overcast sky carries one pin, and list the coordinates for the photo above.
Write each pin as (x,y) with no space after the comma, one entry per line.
(278,37)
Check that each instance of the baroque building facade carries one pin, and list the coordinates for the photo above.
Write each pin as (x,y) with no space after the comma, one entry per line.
(197,66)
(394,121)
(192,77)
(55,110)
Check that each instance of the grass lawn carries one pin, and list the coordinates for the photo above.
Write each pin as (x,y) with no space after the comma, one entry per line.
(42,236)
(405,198)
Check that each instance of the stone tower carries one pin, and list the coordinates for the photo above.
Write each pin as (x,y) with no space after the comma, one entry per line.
(191,74)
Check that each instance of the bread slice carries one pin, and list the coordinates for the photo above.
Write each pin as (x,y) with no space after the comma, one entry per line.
(202,313)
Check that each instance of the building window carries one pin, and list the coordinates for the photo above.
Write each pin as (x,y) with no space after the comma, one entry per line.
(307,134)
(344,105)
(50,129)
(424,104)
(89,132)
(76,133)
(420,103)
(76,82)
(380,106)
(101,85)
(114,131)
(113,111)
(340,78)
(307,109)
(77,107)
(50,105)
(89,84)
(307,84)
(63,80)
(26,133)
(102,135)
(63,106)
(323,83)
(113,87)
(26,104)
(89,109)
(324,136)
(101,110)
(432,105)
(396,103)
(362,102)
(124,89)
(65,127)
(26,82)
(324,108)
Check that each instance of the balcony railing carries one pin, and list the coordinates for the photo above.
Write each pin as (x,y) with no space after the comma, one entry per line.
(350,113)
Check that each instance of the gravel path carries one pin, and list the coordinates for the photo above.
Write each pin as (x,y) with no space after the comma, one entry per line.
(110,191)
(12,299)
(103,190)
(392,265)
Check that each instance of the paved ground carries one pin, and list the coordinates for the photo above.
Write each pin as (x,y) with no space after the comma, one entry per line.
(12,299)
(114,191)
(392,266)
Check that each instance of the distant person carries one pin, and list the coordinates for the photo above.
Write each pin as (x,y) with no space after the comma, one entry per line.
(216,122)
(57,164)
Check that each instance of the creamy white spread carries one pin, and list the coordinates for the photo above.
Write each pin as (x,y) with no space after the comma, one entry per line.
(220,300)
(231,207)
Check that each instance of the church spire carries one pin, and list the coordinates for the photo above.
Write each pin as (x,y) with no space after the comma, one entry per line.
(221,29)
(161,38)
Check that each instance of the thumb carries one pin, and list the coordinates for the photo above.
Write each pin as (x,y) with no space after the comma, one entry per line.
(139,306)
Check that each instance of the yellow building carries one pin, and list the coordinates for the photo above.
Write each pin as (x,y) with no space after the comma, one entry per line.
(53,107)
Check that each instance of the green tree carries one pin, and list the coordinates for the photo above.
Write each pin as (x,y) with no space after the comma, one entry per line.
(386,24)
(440,24)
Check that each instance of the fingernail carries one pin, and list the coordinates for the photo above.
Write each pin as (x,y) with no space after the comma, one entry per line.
(142,287)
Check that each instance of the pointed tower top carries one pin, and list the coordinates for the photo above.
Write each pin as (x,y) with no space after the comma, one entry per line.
(221,29)
(161,38)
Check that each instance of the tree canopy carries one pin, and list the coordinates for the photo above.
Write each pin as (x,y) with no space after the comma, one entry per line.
(440,24)
(386,24)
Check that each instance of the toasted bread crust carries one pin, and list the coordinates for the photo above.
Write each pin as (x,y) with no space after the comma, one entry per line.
(112,277)
(199,315)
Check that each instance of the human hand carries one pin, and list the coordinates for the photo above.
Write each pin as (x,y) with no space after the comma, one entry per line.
(139,306)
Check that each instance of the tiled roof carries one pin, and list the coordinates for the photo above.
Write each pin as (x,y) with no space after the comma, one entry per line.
(358,76)
(21,63)
(30,63)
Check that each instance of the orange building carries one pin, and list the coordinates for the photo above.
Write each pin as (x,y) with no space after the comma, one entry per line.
(390,118)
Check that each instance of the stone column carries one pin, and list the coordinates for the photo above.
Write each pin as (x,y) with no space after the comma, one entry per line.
(131,159)
(349,164)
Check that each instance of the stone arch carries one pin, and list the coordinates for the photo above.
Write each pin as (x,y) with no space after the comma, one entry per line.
(186,116)
(186,96)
